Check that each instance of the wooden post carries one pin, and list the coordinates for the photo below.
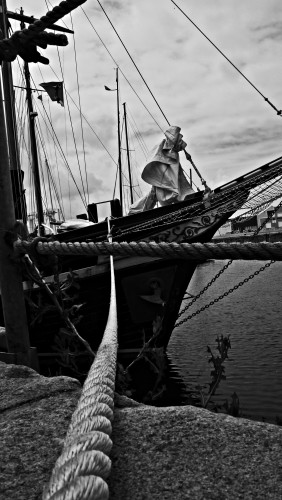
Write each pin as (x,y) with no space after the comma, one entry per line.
(10,276)
(119,148)
(127,151)
(9,101)
(33,147)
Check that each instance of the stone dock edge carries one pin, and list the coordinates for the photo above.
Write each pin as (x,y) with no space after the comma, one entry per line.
(174,452)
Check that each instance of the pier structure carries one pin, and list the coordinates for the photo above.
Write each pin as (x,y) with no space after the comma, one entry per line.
(83,471)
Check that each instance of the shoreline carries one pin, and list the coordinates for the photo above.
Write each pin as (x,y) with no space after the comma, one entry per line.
(266,236)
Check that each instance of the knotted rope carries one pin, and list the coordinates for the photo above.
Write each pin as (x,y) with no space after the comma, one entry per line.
(190,251)
(22,42)
(81,470)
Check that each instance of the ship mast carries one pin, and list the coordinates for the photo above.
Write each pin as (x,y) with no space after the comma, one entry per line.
(119,147)
(34,156)
(127,152)
(12,298)
(9,102)
(10,274)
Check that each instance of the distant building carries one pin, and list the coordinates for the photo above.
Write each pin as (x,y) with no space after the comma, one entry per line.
(246,223)
(276,218)
(251,223)
(224,229)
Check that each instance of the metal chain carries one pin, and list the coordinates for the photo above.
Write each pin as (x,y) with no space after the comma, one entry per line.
(225,294)
(184,214)
(219,199)
(204,289)
(221,272)
(181,215)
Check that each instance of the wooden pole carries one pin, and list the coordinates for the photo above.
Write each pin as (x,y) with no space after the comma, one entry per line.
(10,276)
(33,147)
(9,101)
(127,151)
(119,148)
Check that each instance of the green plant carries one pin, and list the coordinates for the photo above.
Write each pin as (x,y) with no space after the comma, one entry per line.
(145,377)
(218,369)
(71,354)
(60,296)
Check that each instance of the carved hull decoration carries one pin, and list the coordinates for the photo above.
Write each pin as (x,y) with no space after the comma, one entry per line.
(185,231)
(149,289)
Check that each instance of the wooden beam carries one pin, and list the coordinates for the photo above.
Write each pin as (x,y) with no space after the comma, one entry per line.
(10,277)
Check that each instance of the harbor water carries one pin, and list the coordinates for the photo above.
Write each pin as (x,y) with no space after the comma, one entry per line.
(252,317)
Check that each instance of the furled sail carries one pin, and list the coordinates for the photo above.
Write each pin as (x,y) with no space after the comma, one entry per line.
(165,174)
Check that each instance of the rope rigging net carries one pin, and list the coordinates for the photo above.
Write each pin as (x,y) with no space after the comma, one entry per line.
(259,199)
(250,193)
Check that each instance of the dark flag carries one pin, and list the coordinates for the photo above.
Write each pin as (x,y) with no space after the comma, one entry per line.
(55,91)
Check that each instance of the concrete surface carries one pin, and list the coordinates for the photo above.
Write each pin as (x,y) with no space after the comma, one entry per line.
(158,453)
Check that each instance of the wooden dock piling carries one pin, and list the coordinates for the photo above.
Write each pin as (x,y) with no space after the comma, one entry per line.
(10,277)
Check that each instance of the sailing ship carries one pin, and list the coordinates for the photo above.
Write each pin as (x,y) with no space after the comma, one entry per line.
(150,290)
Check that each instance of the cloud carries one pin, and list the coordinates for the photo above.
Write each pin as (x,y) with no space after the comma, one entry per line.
(112,6)
(227,124)
(272,31)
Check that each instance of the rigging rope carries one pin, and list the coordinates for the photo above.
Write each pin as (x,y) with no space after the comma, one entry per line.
(63,155)
(57,143)
(135,65)
(19,127)
(253,236)
(137,133)
(42,179)
(80,112)
(76,151)
(188,156)
(26,41)
(84,117)
(84,465)
(278,112)
(51,17)
(117,65)
(66,136)
(49,173)
(60,199)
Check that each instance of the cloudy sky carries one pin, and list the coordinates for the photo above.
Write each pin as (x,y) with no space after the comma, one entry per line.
(228,126)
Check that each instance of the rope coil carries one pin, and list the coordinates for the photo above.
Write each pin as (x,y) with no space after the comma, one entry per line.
(23,42)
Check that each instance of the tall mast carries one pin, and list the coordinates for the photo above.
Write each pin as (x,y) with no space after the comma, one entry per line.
(34,156)
(9,101)
(119,147)
(12,296)
(127,151)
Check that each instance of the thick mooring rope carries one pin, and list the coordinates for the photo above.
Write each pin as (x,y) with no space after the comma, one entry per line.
(21,41)
(81,470)
(190,251)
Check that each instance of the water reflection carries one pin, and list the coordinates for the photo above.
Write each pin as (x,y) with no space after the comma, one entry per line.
(252,316)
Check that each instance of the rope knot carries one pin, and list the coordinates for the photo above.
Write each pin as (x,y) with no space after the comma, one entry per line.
(47,262)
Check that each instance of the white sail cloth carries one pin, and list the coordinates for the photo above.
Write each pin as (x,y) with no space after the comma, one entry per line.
(71,224)
(164,172)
